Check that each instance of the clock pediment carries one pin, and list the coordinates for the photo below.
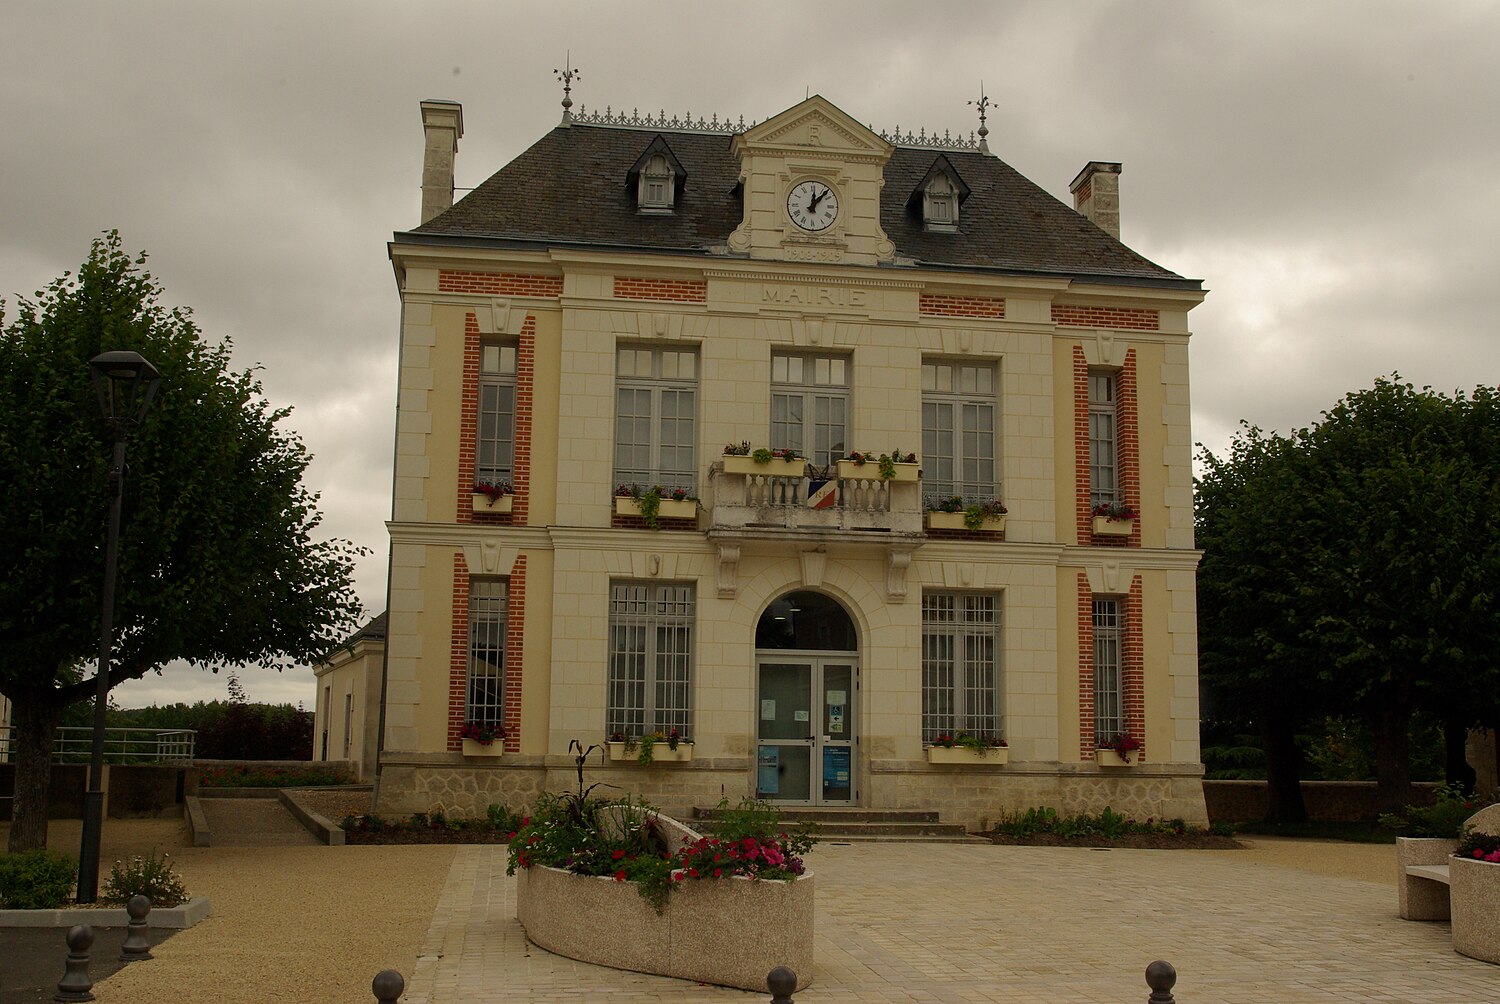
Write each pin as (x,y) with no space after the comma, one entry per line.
(786,162)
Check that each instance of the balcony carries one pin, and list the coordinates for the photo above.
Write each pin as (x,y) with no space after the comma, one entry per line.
(789,504)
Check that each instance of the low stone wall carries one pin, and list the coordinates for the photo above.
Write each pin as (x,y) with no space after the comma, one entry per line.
(132,789)
(725,932)
(1327,801)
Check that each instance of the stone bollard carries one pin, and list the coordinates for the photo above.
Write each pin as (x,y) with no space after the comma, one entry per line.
(75,984)
(135,946)
(388,986)
(781,981)
(1161,978)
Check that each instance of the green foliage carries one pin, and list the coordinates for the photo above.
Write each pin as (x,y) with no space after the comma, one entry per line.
(1349,570)
(1445,817)
(149,876)
(1107,825)
(218,560)
(1235,762)
(249,776)
(36,880)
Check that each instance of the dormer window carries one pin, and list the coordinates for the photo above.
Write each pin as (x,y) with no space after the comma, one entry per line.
(940,204)
(655,186)
(657,177)
(940,194)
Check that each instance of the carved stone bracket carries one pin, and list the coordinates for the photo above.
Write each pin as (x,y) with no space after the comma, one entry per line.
(813,565)
(729,571)
(898,563)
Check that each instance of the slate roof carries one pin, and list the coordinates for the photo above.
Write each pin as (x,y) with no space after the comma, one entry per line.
(570,189)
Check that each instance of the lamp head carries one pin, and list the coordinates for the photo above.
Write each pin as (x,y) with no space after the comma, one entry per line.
(125,383)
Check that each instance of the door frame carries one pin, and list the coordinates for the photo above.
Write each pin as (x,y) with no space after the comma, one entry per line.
(816,661)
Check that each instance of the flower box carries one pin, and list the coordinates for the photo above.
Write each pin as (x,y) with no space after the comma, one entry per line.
(625,505)
(473,747)
(1109,758)
(660,753)
(502,503)
(870,471)
(1104,526)
(776,467)
(994,755)
(955,521)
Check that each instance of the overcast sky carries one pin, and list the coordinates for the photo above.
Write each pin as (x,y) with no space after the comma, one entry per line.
(1323,167)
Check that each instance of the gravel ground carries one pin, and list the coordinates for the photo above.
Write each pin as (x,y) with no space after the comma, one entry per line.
(303,924)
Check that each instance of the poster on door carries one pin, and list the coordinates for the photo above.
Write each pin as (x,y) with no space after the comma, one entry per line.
(768,771)
(835,767)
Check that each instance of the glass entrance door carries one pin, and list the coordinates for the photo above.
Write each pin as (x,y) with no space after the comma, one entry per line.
(806,736)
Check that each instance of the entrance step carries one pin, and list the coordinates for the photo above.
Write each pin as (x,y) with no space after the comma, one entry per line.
(844,824)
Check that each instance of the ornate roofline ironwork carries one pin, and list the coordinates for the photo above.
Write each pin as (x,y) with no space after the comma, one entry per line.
(612,119)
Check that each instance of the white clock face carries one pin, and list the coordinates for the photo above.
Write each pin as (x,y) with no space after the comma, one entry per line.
(812,205)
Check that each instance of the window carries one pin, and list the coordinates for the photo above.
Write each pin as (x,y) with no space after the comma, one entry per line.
(940,203)
(958,431)
(810,406)
(655,190)
(348,723)
(650,658)
(960,664)
(1109,677)
(1103,448)
(655,423)
(494,460)
(489,603)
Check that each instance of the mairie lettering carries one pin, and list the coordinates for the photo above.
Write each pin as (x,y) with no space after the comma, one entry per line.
(815,296)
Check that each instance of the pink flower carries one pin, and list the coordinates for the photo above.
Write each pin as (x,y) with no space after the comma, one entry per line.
(1479,854)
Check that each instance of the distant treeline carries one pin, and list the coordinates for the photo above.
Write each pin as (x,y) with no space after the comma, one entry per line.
(227,730)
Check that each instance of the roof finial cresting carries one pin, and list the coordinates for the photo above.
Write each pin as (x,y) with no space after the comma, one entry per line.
(567,75)
(983,105)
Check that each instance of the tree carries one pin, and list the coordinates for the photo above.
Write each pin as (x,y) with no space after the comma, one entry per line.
(1350,567)
(218,563)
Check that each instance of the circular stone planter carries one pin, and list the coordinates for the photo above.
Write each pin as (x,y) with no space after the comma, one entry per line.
(726,932)
(1474,891)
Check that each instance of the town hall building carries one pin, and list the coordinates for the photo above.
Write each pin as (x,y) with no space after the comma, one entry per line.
(791,460)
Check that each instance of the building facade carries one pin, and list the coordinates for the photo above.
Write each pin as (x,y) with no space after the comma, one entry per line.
(585,545)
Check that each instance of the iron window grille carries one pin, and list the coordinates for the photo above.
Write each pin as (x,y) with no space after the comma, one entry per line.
(489,608)
(650,658)
(960,664)
(1109,677)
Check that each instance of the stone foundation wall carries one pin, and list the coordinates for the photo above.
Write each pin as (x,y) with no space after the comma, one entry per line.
(975,796)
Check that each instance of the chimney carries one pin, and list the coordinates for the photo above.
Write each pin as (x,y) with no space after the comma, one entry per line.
(443,123)
(1096,194)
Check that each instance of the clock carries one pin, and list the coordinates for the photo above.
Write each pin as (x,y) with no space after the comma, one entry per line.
(812,205)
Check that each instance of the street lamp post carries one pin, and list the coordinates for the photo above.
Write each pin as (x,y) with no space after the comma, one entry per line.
(125,383)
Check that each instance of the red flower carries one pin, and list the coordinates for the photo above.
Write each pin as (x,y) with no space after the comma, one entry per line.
(718,872)
(1479,853)
(618,855)
(620,876)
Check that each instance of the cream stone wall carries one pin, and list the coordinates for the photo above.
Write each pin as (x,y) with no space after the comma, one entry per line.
(355,677)
(750,309)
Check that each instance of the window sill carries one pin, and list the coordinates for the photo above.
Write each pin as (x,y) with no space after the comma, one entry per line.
(993,756)
(660,753)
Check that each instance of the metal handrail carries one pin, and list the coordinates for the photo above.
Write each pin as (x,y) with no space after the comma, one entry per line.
(73,744)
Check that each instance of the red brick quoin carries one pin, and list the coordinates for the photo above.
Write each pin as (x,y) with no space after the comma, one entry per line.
(938,305)
(1127,435)
(1133,667)
(469,427)
(458,663)
(677,290)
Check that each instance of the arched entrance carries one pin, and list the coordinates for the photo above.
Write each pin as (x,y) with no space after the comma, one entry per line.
(807,667)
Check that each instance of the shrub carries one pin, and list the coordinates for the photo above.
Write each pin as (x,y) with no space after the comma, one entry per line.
(36,880)
(274,777)
(1444,818)
(147,876)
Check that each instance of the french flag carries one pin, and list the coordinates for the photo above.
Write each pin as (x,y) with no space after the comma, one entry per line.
(822,494)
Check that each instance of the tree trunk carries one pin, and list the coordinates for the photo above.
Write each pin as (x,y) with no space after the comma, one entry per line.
(1283,769)
(1391,723)
(34,726)
(1456,767)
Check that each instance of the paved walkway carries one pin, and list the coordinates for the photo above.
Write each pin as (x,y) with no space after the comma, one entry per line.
(253,822)
(965,923)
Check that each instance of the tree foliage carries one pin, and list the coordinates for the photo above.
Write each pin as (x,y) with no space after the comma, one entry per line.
(1350,568)
(218,560)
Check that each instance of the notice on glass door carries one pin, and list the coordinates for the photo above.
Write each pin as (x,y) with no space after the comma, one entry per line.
(768,771)
(768,710)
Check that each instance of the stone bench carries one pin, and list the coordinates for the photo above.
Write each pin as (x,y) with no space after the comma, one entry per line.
(1435,885)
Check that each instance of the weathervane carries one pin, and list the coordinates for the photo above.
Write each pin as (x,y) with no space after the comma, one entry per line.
(567,76)
(982,104)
